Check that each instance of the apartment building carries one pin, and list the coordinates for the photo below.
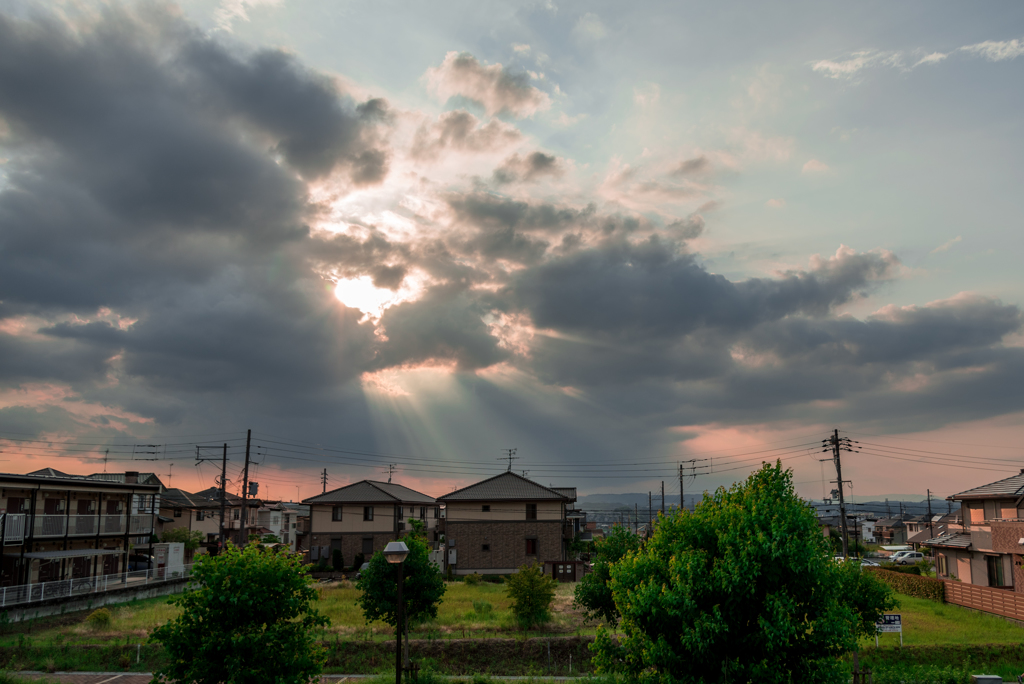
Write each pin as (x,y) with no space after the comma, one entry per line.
(499,524)
(984,546)
(60,526)
(364,516)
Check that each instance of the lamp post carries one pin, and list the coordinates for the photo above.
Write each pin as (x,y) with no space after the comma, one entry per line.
(396,552)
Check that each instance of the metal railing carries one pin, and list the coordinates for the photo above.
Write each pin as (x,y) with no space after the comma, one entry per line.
(79,586)
(14,527)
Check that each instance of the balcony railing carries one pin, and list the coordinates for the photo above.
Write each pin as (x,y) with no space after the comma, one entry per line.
(86,525)
(14,528)
(70,588)
(141,524)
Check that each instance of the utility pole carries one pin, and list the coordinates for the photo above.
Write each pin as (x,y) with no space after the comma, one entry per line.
(931,529)
(650,511)
(636,517)
(663,497)
(323,479)
(223,492)
(682,498)
(835,444)
(242,539)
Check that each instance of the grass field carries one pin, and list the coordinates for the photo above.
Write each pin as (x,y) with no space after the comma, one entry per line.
(468,611)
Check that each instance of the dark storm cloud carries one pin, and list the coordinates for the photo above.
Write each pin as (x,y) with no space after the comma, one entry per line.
(688,228)
(139,180)
(527,169)
(653,287)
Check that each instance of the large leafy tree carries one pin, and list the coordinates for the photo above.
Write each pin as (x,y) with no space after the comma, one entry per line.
(422,588)
(191,539)
(594,592)
(247,619)
(743,589)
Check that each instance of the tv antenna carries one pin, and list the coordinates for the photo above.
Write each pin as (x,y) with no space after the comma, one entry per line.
(510,455)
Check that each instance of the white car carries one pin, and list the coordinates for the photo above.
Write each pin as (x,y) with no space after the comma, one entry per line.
(907,557)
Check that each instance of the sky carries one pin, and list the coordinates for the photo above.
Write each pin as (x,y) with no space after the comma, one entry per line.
(614,237)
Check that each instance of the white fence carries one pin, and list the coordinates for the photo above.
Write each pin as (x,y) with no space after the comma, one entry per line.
(70,588)
(15,526)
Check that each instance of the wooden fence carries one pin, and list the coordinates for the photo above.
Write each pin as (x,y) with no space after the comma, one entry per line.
(1003,602)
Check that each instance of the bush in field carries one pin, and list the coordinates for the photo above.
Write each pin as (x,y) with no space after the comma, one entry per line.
(248,620)
(483,608)
(422,586)
(744,589)
(531,592)
(593,592)
(474,579)
(99,618)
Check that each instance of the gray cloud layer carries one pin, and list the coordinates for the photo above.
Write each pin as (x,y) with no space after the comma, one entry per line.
(154,221)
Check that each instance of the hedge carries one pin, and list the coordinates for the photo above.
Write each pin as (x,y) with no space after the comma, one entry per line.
(911,585)
(905,569)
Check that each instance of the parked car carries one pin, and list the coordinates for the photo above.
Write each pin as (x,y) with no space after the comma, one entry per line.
(909,557)
(139,561)
(868,563)
(895,558)
(362,569)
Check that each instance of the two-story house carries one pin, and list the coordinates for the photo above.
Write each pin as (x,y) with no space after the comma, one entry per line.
(364,516)
(58,526)
(504,522)
(985,548)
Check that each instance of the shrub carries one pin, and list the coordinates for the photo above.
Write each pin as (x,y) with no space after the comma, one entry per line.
(922,674)
(905,569)
(337,560)
(482,608)
(910,584)
(474,579)
(358,561)
(99,619)
(531,592)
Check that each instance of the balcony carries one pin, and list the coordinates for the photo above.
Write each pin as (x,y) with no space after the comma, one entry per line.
(141,524)
(78,525)
(14,528)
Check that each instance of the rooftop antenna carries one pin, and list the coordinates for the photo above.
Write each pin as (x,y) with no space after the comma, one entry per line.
(390,468)
(105,454)
(510,455)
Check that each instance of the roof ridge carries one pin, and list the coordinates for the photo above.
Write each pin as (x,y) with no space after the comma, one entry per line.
(494,477)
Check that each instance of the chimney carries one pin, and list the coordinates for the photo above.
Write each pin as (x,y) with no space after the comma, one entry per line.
(131,477)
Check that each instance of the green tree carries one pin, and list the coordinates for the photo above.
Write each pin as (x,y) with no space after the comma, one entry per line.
(743,589)
(270,539)
(248,619)
(593,592)
(531,592)
(191,539)
(422,586)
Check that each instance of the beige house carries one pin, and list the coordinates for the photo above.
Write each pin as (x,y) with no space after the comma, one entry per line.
(985,546)
(507,521)
(58,526)
(363,517)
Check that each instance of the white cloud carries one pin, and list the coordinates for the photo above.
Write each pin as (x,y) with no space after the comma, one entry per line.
(946,245)
(815,166)
(933,58)
(521,48)
(848,68)
(647,94)
(231,10)
(566,120)
(996,51)
(775,203)
(493,86)
(590,27)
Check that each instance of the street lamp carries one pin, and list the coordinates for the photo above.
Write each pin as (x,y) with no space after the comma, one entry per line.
(396,552)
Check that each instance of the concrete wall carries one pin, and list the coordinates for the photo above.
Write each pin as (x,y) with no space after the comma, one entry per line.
(59,606)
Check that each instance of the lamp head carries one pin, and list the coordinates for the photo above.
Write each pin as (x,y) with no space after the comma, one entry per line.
(396,552)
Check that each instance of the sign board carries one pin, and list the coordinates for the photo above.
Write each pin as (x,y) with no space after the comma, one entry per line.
(889,623)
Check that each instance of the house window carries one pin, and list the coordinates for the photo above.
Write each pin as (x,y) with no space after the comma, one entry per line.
(437,512)
(235,514)
(199,516)
(485,547)
(991,511)
(940,564)
(367,546)
(995,571)
(531,547)
(423,513)
(368,513)
(336,513)
(177,512)
(486,508)
(531,511)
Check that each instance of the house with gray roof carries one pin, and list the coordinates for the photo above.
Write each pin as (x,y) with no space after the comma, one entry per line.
(504,522)
(364,516)
(984,543)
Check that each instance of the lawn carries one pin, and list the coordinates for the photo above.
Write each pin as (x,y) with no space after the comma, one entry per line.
(467,611)
(928,623)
